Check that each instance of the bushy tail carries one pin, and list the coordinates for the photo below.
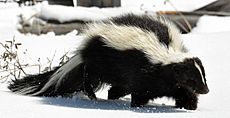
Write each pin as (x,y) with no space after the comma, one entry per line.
(30,84)
(62,81)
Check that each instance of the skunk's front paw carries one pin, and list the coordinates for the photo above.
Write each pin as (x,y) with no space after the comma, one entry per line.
(189,105)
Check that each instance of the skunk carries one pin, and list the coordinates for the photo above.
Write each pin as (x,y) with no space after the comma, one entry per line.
(134,54)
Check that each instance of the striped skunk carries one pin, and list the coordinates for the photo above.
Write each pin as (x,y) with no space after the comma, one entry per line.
(138,55)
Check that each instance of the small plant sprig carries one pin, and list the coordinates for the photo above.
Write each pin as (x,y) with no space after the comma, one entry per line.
(9,62)
(10,66)
(64,59)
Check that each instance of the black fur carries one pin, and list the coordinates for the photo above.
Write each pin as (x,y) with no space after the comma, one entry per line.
(128,72)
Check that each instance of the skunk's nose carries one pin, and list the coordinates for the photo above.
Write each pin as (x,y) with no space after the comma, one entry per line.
(203,91)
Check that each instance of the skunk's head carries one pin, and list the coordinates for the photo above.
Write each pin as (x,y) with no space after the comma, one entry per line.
(190,74)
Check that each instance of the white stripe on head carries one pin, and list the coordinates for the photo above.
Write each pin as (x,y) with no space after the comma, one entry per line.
(198,67)
(129,37)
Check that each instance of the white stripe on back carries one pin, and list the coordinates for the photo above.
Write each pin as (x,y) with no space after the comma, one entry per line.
(129,37)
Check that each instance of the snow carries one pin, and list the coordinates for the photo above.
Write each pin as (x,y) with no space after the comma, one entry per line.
(214,24)
(53,12)
(209,41)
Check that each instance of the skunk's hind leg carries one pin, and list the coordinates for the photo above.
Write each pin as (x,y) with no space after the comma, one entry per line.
(115,92)
(90,82)
(139,99)
(88,89)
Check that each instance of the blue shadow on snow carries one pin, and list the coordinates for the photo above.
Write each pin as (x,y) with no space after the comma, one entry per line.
(102,104)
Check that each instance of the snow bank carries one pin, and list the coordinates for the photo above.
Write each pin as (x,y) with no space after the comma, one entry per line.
(65,14)
(34,19)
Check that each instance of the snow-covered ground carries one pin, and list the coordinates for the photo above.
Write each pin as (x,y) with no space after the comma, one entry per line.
(209,40)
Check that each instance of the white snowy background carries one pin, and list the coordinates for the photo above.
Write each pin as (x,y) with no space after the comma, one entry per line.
(209,41)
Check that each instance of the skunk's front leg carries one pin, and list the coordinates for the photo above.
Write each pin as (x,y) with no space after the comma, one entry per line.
(138,99)
(87,86)
(115,92)
(186,99)
(88,89)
